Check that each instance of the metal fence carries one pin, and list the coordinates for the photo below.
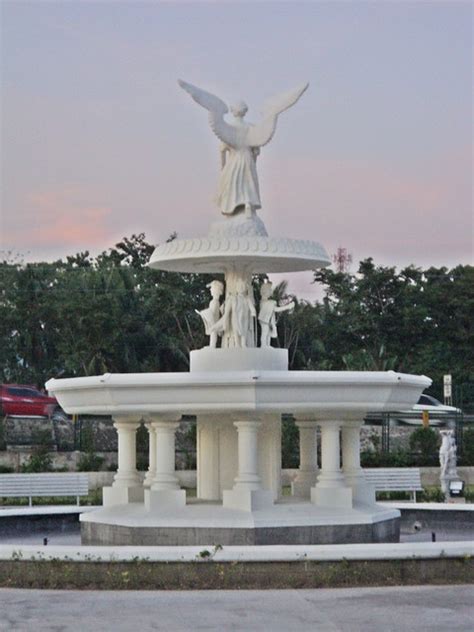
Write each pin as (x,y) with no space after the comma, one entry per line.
(388,420)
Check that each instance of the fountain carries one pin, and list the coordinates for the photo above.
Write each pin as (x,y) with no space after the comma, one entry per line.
(238,387)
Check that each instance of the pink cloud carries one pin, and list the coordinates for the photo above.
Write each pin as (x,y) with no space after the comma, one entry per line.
(61,216)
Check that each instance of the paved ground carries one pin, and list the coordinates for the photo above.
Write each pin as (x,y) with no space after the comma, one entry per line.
(421,608)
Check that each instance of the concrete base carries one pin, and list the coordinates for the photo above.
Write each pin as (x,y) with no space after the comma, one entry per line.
(363,493)
(122,495)
(246,500)
(332,496)
(235,359)
(155,500)
(302,488)
(286,522)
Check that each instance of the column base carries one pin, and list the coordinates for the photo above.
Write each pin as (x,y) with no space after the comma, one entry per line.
(156,499)
(363,493)
(332,496)
(246,499)
(122,495)
(301,487)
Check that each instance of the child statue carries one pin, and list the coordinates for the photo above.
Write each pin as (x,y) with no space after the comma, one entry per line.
(211,315)
(266,314)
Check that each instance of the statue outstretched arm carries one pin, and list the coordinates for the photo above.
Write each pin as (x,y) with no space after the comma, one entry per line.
(262,133)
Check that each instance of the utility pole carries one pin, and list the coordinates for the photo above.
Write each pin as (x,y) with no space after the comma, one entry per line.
(342,260)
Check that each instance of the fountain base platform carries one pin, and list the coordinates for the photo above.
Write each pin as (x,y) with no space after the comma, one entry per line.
(210,524)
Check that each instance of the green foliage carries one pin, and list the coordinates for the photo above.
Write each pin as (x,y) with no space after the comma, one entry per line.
(467,457)
(39,461)
(89,462)
(87,315)
(289,443)
(3,444)
(397,458)
(430,495)
(40,458)
(111,313)
(6,469)
(424,442)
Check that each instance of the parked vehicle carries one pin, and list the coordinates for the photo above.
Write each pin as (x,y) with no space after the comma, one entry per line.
(24,400)
(439,414)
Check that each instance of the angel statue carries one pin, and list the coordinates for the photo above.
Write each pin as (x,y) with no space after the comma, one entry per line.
(238,185)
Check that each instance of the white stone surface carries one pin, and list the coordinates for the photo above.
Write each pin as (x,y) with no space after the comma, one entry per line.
(259,255)
(272,553)
(238,183)
(249,359)
(340,395)
(286,512)
(308,469)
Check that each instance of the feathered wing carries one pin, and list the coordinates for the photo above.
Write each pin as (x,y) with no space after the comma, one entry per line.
(217,108)
(262,133)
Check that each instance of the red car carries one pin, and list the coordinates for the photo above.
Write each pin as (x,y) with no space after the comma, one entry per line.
(25,401)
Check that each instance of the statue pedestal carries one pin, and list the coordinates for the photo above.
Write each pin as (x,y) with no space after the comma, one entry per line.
(239,359)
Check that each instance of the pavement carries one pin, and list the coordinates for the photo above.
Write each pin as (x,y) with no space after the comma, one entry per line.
(397,609)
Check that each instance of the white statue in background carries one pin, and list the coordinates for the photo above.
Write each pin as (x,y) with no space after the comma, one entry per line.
(211,315)
(238,185)
(447,460)
(448,454)
(237,324)
(266,314)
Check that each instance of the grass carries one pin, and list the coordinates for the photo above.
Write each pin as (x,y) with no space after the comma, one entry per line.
(94,497)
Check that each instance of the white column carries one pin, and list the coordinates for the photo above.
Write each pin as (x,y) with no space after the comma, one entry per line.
(127,486)
(164,491)
(308,470)
(208,458)
(165,477)
(354,475)
(247,493)
(247,435)
(150,475)
(331,489)
(127,475)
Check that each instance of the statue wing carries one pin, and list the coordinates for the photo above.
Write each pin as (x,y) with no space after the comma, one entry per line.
(262,133)
(228,134)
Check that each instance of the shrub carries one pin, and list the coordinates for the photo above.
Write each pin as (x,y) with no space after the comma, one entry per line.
(39,461)
(6,469)
(424,442)
(89,462)
(397,458)
(467,457)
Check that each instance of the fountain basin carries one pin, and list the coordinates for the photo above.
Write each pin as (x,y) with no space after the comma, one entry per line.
(350,394)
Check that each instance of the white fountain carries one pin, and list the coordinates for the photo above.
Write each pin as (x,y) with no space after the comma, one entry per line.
(238,391)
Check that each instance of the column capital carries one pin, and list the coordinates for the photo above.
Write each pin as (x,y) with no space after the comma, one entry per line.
(330,424)
(164,417)
(353,423)
(306,422)
(247,424)
(165,426)
(127,422)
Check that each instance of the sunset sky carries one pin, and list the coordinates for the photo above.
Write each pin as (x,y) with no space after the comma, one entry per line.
(99,142)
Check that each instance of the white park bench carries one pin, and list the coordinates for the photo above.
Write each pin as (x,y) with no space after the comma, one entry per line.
(47,484)
(395,479)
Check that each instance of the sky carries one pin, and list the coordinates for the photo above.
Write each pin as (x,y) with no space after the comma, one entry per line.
(99,142)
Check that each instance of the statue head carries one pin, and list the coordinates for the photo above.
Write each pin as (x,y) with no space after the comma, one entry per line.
(239,109)
(266,290)
(216,288)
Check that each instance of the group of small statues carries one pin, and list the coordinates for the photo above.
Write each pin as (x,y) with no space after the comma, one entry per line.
(234,321)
